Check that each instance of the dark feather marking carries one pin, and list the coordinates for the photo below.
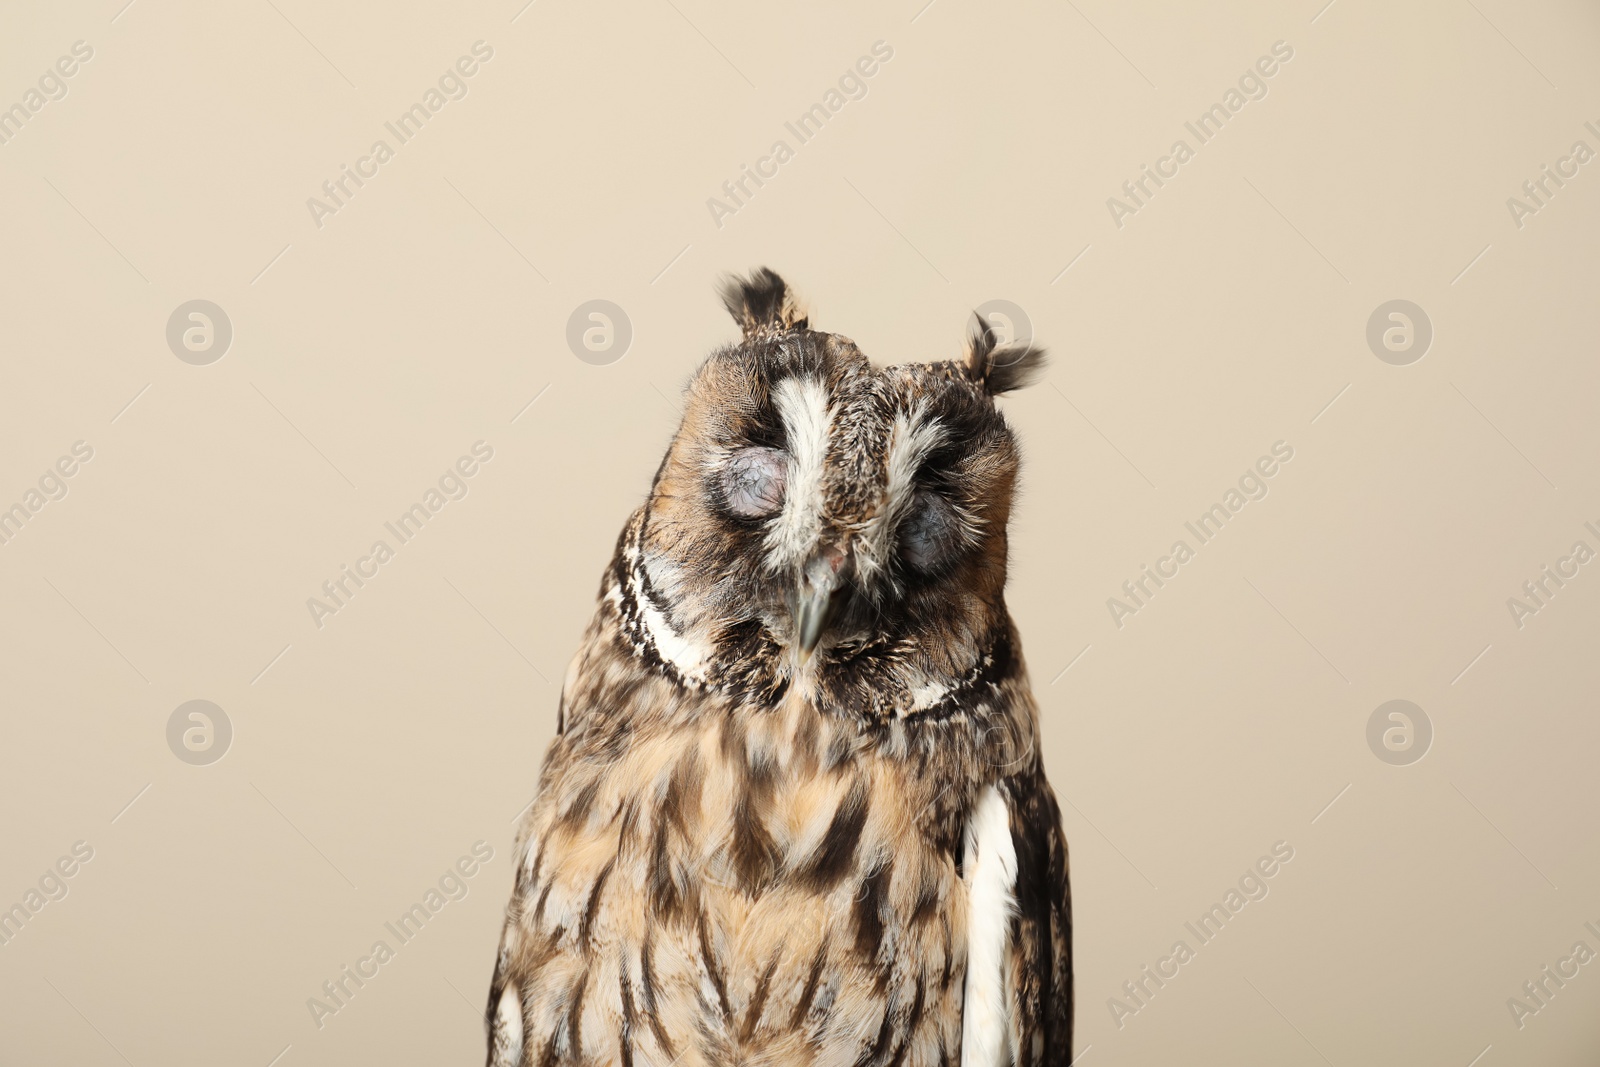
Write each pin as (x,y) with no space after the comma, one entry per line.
(687,776)
(880,1044)
(592,907)
(838,752)
(582,801)
(869,914)
(908,1029)
(1041,930)
(714,969)
(629,821)
(647,991)
(575,1017)
(496,988)
(538,865)
(625,992)
(756,856)
(949,961)
(544,894)
(837,849)
(547,1057)
(667,899)
(927,900)
(758,999)
(809,992)
(749,659)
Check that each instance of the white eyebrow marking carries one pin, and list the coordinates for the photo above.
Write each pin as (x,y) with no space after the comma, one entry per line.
(807,421)
(912,437)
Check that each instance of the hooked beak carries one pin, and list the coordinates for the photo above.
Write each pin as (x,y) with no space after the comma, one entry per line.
(818,598)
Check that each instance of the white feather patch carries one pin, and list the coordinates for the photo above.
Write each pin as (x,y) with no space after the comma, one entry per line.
(807,420)
(911,439)
(927,695)
(991,876)
(507,1029)
(684,651)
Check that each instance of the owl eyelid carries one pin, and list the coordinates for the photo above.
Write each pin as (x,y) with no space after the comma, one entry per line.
(930,534)
(752,482)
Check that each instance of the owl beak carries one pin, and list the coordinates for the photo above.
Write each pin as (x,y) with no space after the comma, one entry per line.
(810,618)
(818,598)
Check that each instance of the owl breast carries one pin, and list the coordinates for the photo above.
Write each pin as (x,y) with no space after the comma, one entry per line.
(742,885)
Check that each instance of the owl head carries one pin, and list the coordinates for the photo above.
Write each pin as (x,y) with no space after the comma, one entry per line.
(818,518)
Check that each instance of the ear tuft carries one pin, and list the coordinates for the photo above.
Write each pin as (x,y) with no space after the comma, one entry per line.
(761,303)
(1000,368)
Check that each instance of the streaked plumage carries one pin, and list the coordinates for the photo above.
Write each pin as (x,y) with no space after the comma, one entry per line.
(796,814)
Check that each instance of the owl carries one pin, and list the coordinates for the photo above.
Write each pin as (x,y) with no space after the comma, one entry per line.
(795,812)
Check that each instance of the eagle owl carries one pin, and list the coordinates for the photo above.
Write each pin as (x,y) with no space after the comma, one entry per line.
(795,812)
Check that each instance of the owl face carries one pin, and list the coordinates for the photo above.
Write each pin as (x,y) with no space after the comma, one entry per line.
(816,514)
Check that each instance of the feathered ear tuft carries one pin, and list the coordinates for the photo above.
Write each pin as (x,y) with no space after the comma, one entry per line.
(1000,368)
(761,303)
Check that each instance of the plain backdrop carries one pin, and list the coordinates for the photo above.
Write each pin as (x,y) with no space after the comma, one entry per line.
(377,339)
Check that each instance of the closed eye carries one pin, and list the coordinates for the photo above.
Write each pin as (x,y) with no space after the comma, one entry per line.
(753,482)
(931,534)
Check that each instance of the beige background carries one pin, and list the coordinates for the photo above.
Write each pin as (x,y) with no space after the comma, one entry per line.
(1229,313)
